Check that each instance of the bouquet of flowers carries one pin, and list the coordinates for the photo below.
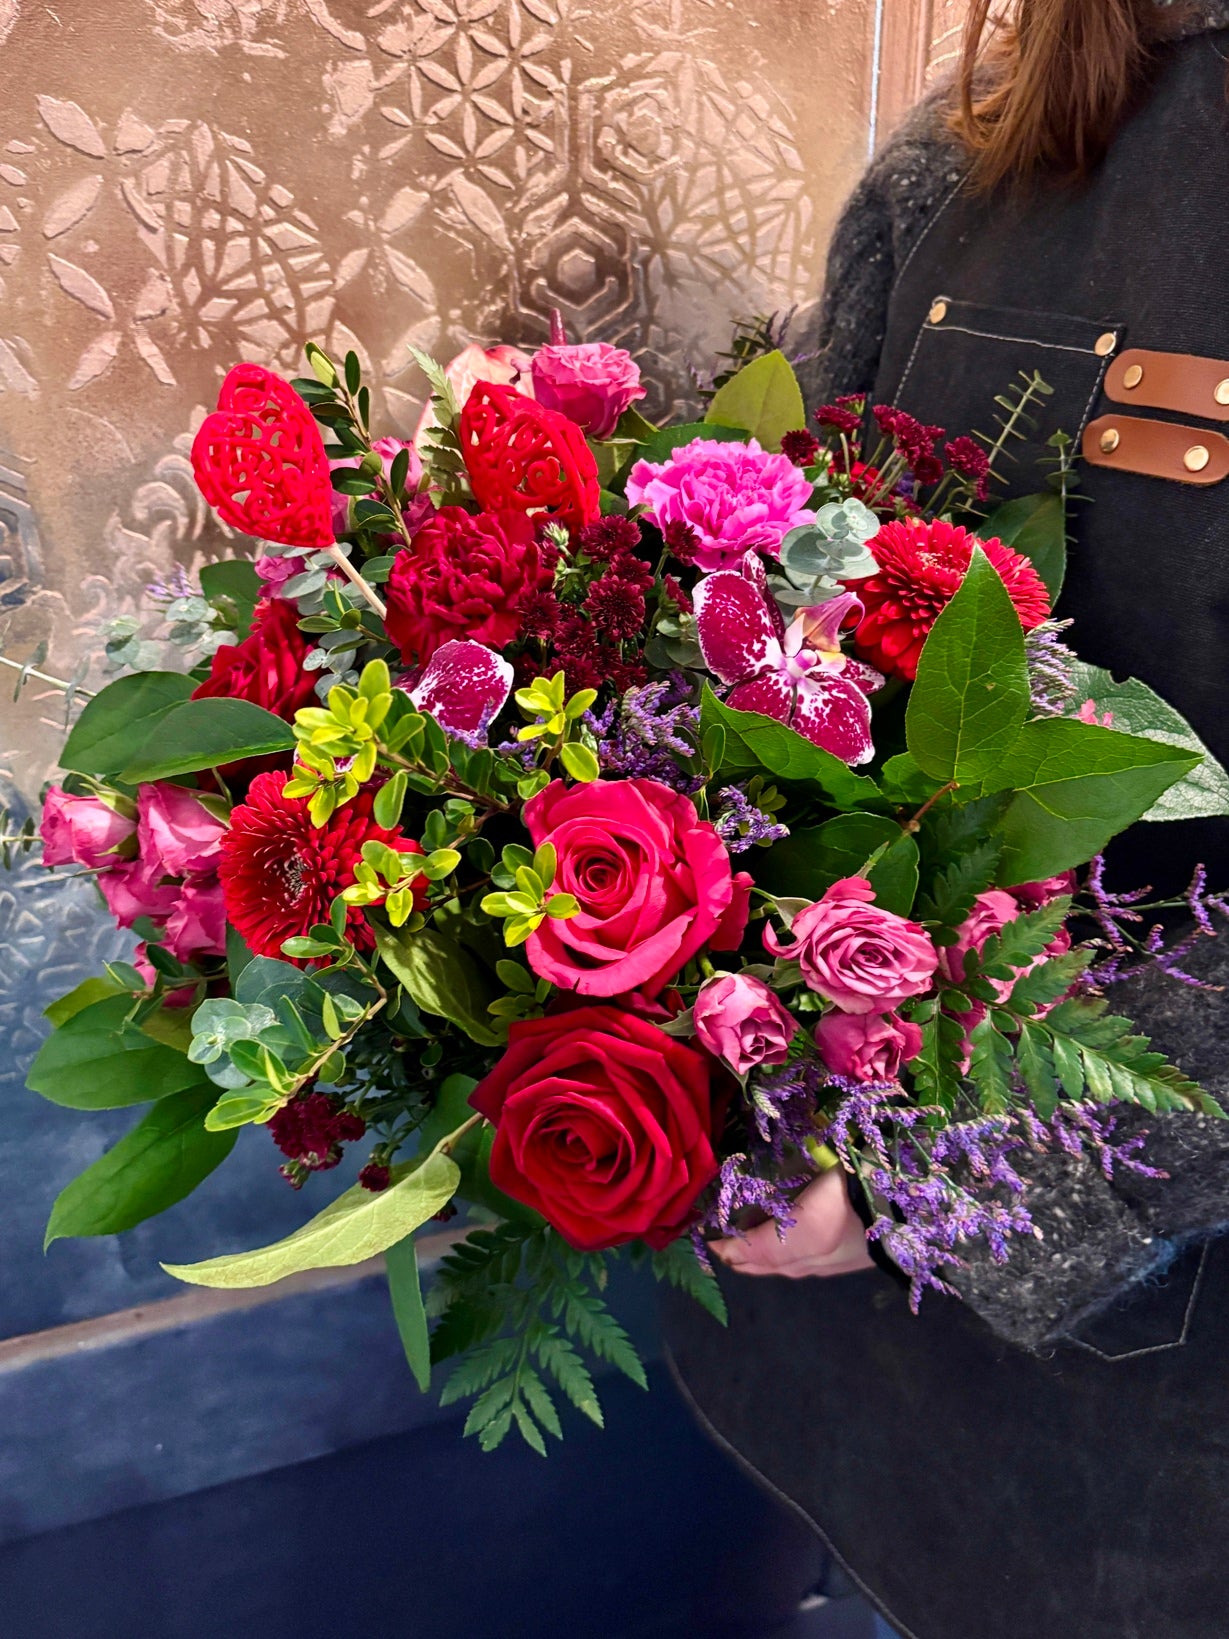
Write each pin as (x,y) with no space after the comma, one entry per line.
(610,827)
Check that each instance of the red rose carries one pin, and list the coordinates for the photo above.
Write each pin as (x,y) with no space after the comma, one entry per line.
(652,878)
(267,667)
(464,577)
(604,1125)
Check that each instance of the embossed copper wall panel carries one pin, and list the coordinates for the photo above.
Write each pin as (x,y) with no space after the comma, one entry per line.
(187,182)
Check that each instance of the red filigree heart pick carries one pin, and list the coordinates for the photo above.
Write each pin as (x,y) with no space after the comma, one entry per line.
(259,461)
(522,456)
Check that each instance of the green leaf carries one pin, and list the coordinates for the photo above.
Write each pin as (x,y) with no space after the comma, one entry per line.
(206,734)
(118,721)
(990,1067)
(97,1061)
(972,693)
(442,979)
(589,1321)
(1047,983)
(1201,794)
(955,888)
(810,860)
(753,741)
(163,1158)
(88,991)
(657,448)
(240,1109)
(390,798)
(764,399)
(235,580)
(405,1291)
(354,1227)
(238,956)
(679,1265)
(1116,1063)
(572,1375)
(1036,1063)
(1036,527)
(1022,940)
(1077,786)
(580,762)
(936,1069)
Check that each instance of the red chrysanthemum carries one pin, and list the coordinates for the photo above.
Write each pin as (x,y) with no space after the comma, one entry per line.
(280,873)
(921,567)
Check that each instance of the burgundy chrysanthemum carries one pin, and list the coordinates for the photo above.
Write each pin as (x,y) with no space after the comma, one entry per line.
(967,458)
(310,1131)
(375,1177)
(280,873)
(681,541)
(616,606)
(801,447)
(540,615)
(845,416)
(921,567)
(609,538)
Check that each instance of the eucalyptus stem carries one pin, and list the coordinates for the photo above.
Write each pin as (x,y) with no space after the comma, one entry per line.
(64,686)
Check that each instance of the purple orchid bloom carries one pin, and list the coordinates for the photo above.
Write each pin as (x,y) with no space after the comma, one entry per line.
(798,674)
(463,687)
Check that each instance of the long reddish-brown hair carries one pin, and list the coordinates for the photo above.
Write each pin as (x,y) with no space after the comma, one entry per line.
(1042,90)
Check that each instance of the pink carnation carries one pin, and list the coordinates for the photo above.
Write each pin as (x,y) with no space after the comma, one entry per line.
(738,1019)
(859,956)
(867,1046)
(592,383)
(736,497)
(82,830)
(177,832)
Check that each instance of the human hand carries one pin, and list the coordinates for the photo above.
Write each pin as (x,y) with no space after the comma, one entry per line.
(828,1237)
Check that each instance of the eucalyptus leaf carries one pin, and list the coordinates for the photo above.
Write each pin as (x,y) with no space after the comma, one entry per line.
(764,399)
(353,1228)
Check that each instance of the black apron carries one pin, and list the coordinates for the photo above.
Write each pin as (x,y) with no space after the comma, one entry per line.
(972,1490)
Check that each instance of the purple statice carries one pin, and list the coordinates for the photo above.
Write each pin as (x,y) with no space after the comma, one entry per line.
(741,825)
(741,1185)
(176,585)
(1132,953)
(649,733)
(783,1104)
(1081,1129)
(766,1175)
(1051,678)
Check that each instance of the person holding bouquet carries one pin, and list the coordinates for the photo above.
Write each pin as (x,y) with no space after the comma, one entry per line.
(1046,1458)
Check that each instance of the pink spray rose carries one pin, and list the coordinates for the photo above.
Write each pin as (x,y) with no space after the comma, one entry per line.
(737,497)
(853,952)
(592,383)
(991,912)
(197,924)
(739,1020)
(82,830)
(388,449)
(136,889)
(1031,896)
(178,834)
(652,879)
(867,1046)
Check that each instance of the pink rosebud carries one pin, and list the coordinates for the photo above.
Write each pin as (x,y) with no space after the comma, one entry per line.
(197,924)
(136,889)
(867,1046)
(739,1020)
(591,383)
(991,912)
(178,834)
(388,450)
(275,571)
(1031,896)
(83,830)
(859,956)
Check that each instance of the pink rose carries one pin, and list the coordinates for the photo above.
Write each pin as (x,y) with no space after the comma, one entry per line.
(176,830)
(737,497)
(854,953)
(991,912)
(592,383)
(197,924)
(739,1020)
(1031,896)
(136,889)
(867,1046)
(652,879)
(83,830)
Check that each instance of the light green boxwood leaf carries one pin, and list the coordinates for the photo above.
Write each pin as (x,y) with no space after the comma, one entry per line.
(1076,786)
(163,1158)
(754,742)
(1036,527)
(810,860)
(764,399)
(207,734)
(1201,794)
(353,1228)
(972,694)
(120,719)
(97,1062)
(442,979)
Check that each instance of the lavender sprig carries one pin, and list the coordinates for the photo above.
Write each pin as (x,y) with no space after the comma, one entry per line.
(650,733)
(741,825)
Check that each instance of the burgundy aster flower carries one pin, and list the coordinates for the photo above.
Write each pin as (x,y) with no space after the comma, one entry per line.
(801,447)
(920,570)
(310,1131)
(280,873)
(375,1177)
(967,458)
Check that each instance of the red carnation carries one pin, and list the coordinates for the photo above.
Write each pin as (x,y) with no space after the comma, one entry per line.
(267,667)
(921,567)
(280,873)
(464,577)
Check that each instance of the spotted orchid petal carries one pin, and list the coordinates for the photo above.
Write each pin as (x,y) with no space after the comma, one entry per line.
(737,634)
(825,708)
(464,686)
(819,627)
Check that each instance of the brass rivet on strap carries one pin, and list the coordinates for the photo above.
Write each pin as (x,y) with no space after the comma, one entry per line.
(1110,440)
(937,313)
(1221,395)
(1133,376)
(1105,344)
(1196,458)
